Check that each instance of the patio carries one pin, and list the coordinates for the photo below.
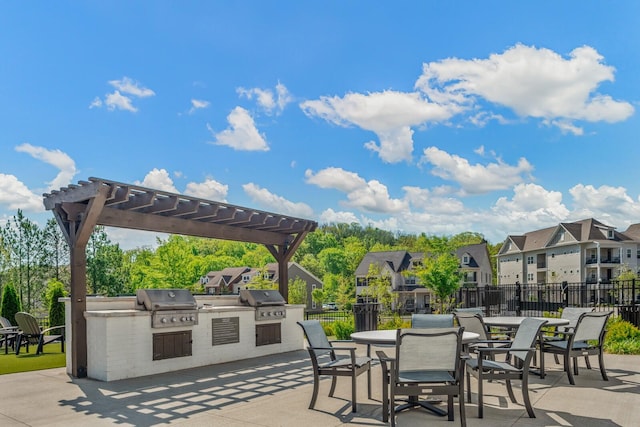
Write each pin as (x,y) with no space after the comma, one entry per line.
(275,391)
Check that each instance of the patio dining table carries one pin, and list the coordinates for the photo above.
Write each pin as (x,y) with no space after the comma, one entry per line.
(387,337)
(512,322)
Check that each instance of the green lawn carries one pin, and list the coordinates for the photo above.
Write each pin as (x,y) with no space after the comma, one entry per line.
(51,358)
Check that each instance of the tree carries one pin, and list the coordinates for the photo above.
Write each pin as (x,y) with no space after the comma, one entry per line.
(55,291)
(262,281)
(440,274)
(105,265)
(56,251)
(379,287)
(10,303)
(297,291)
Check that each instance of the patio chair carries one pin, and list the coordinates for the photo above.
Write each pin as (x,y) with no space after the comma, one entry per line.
(471,310)
(7,339)
(31,333)
(325,361)
(516,366)
(586,338)
(432,320)
(572,314)
(474,323)
(427,361)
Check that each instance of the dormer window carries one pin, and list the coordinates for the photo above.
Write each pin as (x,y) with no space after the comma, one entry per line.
(609,234)
(465,259)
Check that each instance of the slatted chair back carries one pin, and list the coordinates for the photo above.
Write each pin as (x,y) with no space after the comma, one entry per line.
(5,323)
(526,337)
(28,324)
(419,320)
(471,310)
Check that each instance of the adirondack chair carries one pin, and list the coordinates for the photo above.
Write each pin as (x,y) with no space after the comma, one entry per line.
(32,333)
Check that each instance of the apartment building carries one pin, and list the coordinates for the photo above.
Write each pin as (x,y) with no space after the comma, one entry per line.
(585,251)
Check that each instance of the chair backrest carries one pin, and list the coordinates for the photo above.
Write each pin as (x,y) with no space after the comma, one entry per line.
(5,323)
(432,320)
(472,323)
(316,336)
(27,323)
(572,314)
(591,326)
(526,336)
(433,349)
(472,310)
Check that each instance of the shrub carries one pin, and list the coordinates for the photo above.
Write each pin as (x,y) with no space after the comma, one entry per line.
(395,322)
(343,329)
(55,290)
(622,337)
(10,303)
(327,328)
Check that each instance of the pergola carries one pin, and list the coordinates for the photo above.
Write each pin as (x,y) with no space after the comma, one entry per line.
(79,208)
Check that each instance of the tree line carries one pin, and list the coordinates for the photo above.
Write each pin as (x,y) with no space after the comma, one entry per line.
(31,256)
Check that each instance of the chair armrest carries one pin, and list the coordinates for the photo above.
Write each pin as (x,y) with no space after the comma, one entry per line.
(383,356)
(503,349)
(52,328)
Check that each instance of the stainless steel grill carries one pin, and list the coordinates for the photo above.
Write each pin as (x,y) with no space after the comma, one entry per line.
(269,303)
(169,307)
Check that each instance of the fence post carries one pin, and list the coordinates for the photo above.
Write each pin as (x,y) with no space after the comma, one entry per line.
(565,294)
(518,299)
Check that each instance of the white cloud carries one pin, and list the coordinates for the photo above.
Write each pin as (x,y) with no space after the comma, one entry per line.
(121,98)
(389,114)
(16,195)
(118,101)
(330,216)
(198,104)
(476,179)
(131,87)
(267,100)
(158,179)
(242,133)
(371,196)
(210,189)
(423,199)
(55,158)
(276,203)
(605,201)
(532,82)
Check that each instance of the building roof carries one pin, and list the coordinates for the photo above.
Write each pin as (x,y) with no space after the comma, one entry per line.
(585,230)
(396,261)
(478,252)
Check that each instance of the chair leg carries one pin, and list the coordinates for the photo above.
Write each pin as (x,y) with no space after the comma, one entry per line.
(525,395)
(392,407)
(450,407)
(19,344)
(555,357)
(369,382)
(463,415)
(586,362)
(353,393)
(510,391)
(568,369)
(316,385)
(468,387)
(333,385)
(602,368)
(40,345)
(480,403)
(575,366)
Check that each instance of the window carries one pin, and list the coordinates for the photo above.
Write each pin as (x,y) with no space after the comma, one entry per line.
(609,234)
(628,253)
(465,259)
(531,260)
(530,277)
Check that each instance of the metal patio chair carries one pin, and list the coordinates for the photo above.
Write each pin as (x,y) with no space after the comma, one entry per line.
(586,338)
(427,361)
(432,320)
(519,354)
(572,314)
(326,361)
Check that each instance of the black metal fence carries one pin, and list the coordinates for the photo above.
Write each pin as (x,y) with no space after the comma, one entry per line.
(622,297)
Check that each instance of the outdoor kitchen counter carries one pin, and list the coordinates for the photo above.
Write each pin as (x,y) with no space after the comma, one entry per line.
(120,340)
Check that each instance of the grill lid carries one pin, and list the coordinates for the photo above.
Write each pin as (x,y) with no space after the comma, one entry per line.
(166,299)
(261,297)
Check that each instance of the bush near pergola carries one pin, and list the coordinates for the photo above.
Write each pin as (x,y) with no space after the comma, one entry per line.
(10,303)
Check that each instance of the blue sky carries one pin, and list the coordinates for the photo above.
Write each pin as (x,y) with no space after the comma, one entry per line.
(411,116)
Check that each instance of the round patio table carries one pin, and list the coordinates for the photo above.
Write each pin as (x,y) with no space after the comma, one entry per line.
(512,322)
(387,337)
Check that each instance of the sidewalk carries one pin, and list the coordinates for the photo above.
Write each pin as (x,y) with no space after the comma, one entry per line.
(274,391)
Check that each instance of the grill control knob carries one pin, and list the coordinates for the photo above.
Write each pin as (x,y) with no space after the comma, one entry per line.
(174,320)
(163,320)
